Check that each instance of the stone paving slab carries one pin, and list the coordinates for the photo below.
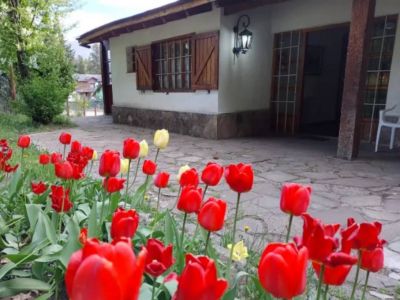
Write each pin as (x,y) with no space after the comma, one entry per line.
(367,188)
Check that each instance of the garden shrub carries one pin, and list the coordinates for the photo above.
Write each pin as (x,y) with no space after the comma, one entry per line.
(44,98)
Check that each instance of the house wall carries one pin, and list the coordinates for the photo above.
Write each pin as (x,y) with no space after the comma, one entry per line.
(125,93)
(299,14)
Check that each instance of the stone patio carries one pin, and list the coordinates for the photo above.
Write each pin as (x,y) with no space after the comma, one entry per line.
(367,189)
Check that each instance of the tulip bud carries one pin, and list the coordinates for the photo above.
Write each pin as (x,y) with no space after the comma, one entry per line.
(95,155)
(161,138)
(124,166)
(144,149)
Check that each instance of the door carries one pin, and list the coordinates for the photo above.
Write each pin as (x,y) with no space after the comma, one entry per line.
(286,78)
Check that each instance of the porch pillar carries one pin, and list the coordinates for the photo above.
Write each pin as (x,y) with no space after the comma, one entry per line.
(355,75)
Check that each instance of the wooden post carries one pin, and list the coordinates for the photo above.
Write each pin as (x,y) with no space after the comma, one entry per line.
(355,75)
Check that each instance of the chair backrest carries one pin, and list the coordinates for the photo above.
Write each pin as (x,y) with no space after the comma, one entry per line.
(383,113)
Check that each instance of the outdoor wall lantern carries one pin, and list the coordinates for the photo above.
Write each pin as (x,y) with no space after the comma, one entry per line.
(244,38)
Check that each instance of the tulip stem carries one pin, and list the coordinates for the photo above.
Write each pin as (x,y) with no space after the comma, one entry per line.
(64,151)
(320,280)
(207,240)
(158,151)
(127,182)
(177,198)
(183,229)
(365,286)
(326,292)
(22,158)
(136,172)
(158,199)
(153,292)
(353,292)
(289,228)
(204,193)
(233,237)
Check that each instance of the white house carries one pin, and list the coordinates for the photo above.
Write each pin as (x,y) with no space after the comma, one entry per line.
(314,66)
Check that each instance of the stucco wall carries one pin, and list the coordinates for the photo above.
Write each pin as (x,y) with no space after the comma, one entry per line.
(124,84)
(245,80)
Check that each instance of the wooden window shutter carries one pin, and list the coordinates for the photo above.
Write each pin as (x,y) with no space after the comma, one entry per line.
(144,79)
(205,61)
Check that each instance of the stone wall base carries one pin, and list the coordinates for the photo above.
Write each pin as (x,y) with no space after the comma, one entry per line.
(211,126)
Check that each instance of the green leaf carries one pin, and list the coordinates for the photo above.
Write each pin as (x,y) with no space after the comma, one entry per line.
(72,244)
(138,197)
(32,210)
(92,222)
(145,291)
(15,286)
(171,286)
(230,294)
(6,268)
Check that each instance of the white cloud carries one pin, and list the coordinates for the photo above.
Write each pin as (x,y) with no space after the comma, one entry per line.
(84,21)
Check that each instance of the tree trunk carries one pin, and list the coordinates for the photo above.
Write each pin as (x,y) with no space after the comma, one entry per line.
(13,85)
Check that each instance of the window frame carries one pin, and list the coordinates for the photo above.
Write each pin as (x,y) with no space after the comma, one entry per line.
(130,59)
(188,37)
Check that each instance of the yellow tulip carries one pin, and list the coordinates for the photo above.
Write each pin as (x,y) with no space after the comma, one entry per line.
(239,251)
(144,149)
(124,166)
(94,156)
(182,170)
(161,138)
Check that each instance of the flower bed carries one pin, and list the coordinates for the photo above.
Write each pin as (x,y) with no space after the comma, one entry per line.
(68,235)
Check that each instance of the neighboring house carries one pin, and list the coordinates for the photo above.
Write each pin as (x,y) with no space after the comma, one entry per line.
(87,84)
(314,66)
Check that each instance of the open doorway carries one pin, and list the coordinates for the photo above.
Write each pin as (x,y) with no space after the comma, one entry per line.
(324,67)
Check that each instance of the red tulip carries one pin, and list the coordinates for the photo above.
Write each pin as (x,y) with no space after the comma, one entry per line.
(199,280)
(364,236)
(319,238)
(105,271)
(239,177)
(282,270)
(77,171)
(190,199)
(56,157)
(124,223)
(83,236)
(10,169)
(295,198)
(113,184)
(60,199)
(189,177)
(110,163)
(333,275)
(64,170)
(44,159)
(212,214)
(149,167)
(372,260)
(38,188)
(24,141)
(131,149)
(212,174)
(76,147)
(87,152)
(161,181)
(159,258)
(65,138)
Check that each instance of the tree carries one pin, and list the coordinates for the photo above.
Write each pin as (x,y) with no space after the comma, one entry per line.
(80,65)
(24,28)
(94,60)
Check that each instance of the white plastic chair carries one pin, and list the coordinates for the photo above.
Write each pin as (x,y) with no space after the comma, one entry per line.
(384,122)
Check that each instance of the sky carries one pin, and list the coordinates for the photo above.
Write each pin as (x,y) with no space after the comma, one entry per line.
(93,13)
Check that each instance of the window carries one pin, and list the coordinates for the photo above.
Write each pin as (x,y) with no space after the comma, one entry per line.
(130,60)
(378,74)
(185,63)
(172,64)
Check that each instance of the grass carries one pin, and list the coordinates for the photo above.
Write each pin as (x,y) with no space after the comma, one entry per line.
(13,125)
